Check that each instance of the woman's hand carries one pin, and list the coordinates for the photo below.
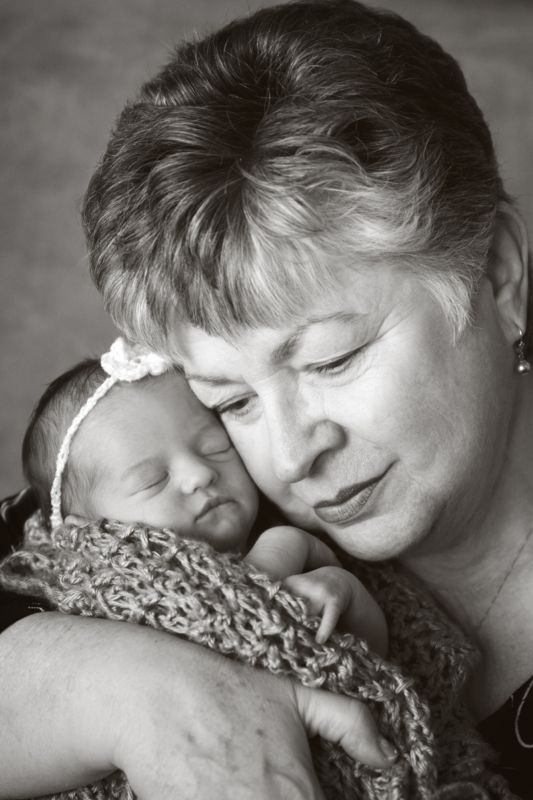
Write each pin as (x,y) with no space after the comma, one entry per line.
(220,729)
(94,695)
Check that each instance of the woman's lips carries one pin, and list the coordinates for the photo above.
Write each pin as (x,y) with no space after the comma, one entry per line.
(348,503)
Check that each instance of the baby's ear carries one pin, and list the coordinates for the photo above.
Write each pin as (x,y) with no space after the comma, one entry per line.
(76,519)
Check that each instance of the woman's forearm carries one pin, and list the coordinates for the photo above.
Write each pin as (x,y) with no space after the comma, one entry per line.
(82,697)
(55,734)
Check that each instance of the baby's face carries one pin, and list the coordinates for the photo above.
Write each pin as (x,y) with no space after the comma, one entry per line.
(155,455)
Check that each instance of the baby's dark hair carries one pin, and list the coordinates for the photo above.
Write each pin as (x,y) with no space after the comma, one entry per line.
(49,422)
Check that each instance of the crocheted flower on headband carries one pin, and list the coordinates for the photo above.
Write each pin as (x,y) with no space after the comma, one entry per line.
(125,361)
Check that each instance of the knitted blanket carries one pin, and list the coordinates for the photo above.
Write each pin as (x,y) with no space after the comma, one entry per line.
(149,576)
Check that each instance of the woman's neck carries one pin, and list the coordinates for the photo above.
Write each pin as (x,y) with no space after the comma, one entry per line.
(482,575)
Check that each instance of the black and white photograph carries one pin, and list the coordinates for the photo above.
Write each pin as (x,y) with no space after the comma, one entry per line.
(266,440)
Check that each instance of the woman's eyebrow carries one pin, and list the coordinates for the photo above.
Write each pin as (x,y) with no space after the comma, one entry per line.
(212,380)
(287,348)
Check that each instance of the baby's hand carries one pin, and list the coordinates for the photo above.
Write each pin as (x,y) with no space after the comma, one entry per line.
(328,592)
(338,596)
(285,553)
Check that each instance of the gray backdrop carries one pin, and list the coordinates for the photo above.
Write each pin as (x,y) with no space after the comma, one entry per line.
(66,68)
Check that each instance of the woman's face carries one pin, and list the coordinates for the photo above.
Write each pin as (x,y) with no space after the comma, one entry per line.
(363,417)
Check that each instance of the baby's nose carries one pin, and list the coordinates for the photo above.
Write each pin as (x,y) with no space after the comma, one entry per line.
(197,475)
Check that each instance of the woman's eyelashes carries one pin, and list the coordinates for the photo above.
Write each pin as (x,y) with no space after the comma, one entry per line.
(234,408)
(336,366)
(241,406)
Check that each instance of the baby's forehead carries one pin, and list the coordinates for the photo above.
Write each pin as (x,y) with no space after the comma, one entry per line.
(145,414)
(166,394)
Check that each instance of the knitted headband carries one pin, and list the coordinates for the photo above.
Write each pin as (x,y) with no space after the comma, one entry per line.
(124,361)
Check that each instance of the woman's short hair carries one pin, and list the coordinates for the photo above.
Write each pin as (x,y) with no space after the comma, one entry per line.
(263,153)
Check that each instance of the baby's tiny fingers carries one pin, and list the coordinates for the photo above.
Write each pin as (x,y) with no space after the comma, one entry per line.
(309,590)
(329,620)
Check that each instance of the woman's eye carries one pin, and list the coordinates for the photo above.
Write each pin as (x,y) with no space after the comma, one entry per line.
(235,408)
(337,366)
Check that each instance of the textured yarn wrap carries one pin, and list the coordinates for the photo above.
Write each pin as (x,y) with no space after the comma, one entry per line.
(152,577)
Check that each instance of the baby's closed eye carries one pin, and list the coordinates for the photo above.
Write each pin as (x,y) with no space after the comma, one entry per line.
(151,483)
(215,443)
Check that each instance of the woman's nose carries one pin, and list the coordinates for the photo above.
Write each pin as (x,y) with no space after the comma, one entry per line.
(195,474)
(298,440)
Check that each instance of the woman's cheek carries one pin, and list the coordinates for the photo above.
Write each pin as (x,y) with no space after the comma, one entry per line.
(371,407)
(390,411)
(252,446)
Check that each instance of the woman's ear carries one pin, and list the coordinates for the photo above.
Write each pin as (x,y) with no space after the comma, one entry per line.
(508,270)
(76,519)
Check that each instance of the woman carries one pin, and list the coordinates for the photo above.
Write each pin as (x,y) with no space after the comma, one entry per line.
(305,210)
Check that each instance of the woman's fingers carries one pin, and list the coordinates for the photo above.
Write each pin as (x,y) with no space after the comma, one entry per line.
(346,722)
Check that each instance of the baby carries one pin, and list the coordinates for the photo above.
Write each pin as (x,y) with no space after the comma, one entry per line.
(126,439)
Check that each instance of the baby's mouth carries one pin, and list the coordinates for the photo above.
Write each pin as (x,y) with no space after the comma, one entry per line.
(210,504)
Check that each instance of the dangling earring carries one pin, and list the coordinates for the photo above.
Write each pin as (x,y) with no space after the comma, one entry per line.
(522,365)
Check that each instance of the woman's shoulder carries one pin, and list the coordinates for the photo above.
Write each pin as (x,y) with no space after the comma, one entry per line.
(510,732)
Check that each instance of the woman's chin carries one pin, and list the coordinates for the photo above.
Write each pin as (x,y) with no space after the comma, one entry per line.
(383,534)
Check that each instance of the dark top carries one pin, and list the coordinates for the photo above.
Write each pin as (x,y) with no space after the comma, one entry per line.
(509,730)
